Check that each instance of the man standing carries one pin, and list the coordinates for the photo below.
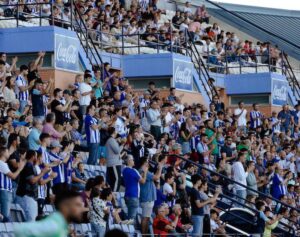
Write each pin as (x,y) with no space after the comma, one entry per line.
(85,92)
(38,108)
(240,115)
(240,176)
(22,87)
(27,191)
(148,192)
(154,118)
(197,205)
(34,135)
(286,118)
(203,150)
(6,177)
(132,180)
(255,117)
(92,135)
(58,108)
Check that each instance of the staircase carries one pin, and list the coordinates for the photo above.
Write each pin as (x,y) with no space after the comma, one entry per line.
(86,41)
(207,89)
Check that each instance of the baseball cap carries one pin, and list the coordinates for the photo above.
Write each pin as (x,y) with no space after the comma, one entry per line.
(55,143)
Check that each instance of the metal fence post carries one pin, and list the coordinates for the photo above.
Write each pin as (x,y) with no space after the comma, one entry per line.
(72,6)
(139,49)
(40,13)
(122,40)
(17,14)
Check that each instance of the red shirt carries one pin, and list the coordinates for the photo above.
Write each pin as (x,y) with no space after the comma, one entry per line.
(159,226)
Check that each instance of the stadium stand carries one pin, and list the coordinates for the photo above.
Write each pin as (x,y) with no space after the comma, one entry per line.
(145,163)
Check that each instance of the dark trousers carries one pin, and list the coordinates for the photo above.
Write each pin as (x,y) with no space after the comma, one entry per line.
(156,132)
(113,177)
(41,204)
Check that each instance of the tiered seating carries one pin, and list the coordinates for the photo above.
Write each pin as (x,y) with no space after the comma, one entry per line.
(95,170)
(17,213)
(84,230)
(6,229)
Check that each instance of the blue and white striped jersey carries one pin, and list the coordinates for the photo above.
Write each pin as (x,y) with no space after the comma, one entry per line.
(5,181)
(21,95)
(92,136)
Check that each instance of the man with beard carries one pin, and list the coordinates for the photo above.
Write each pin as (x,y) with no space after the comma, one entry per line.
(69,208)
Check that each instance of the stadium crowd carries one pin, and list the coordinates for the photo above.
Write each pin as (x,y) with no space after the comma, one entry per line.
(46,133)
(141,22)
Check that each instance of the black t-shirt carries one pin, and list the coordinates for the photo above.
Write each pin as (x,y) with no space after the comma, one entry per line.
(25,187)
(77,112)
(194,196)
(60,119)
(32,75)
(14,156)
(227,150)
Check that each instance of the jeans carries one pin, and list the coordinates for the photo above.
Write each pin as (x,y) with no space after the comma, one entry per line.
(5,203)
(98,230)
(93,153)
(39,118)
(23,104)
(197,225)
(241,196)
(29,206)
(132,205)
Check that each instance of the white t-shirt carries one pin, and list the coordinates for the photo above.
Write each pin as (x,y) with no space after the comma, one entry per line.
(85,99)
(242,120)
(4,167)
(167,189)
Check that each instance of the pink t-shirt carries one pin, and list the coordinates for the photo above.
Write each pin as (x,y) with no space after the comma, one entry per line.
(48,128)
(194,26)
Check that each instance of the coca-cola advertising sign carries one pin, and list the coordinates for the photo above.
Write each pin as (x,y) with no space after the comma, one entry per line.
(66,53)
(279,92)
(183,75)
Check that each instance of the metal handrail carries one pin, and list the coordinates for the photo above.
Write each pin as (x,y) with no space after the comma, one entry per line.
(251,23)
(238,183)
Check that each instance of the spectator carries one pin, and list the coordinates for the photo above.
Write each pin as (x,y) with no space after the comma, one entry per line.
(255,117)
(92,134)
(27,191)
(240,176)
(98,213)
(132,180)
(148,192)
(241,116)
(154,118)
(22,87)
(79,177)
(85,92)
(34,135)
(197,205)
(6,177)
(113,161)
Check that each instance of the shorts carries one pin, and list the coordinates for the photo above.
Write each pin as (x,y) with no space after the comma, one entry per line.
(147,209)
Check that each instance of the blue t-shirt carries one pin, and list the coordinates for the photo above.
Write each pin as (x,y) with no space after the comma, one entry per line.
(148,189)
(131,180)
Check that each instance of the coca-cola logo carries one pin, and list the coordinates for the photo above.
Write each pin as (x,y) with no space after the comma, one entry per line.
(66,53)
(183,75)
(279,92)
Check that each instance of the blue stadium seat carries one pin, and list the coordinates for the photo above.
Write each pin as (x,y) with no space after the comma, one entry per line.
(2,228)
(17,213)
(48,209)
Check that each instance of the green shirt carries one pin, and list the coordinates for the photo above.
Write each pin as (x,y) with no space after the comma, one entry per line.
(242,146)
(214,142)
(54,225)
